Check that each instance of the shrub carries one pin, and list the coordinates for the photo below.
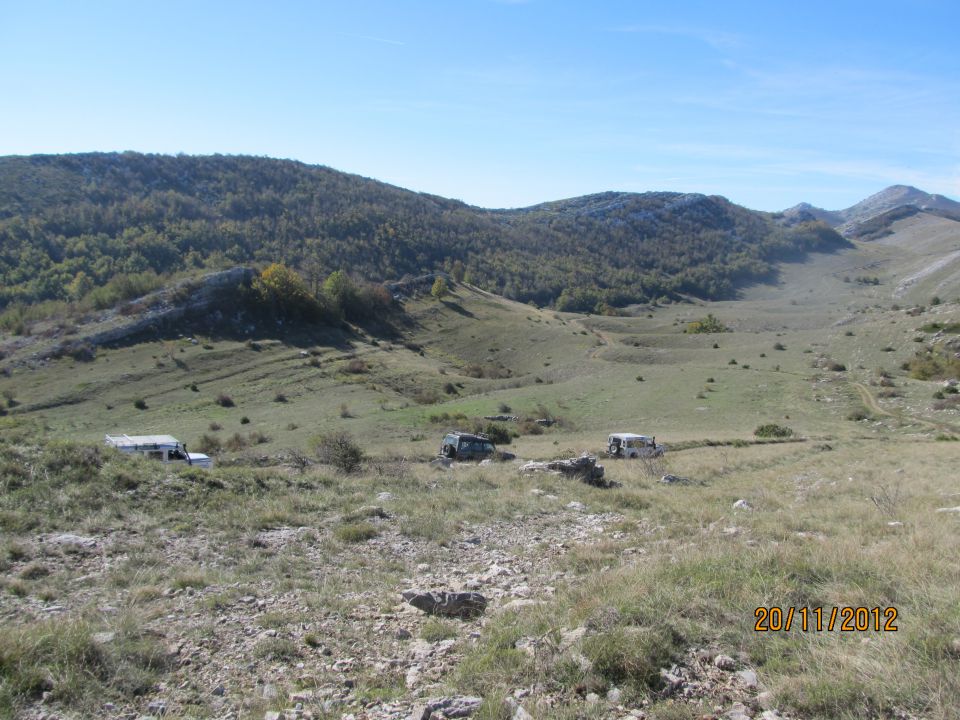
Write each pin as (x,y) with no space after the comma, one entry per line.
(772,430)
(214,426)
(498,434)
(356,366)
(235,442)
(933,365)
(224,400)
(244,420)
(345,411)
(504,408)
(140,404)
(426,396)
(836,366)
(709,324)
(280,398)
(339,450)
(258,437)
(779,346)
(209,444)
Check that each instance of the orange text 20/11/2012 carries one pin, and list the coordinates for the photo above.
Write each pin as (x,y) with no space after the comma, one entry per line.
(818,619)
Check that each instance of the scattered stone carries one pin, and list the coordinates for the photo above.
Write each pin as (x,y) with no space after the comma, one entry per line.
(765,700)
(74,541)
(219,691)
(527,645)
(537,491)
(157,707)
(592,698)
(450,604)
(675,480)
(955,647)
(749,677)
(672,682)
(516,710)
(724,662)
(103,638)
(770,715)
(273,715)
(384,496)
(614,695)
(502,418)
(949,510)
(742,504)
(519,604)
(569,638)
(441,463)
(739,711)
(449,707)
(576,505)
(403,634)
(894,523)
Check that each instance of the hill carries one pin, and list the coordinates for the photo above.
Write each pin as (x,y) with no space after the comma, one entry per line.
(72,223)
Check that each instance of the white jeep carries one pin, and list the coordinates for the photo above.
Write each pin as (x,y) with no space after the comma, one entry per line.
(630,445)
(165,448)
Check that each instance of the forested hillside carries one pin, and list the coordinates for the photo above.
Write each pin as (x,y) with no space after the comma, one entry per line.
(70,224)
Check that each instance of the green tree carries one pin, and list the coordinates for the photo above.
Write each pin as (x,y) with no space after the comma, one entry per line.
(340,291)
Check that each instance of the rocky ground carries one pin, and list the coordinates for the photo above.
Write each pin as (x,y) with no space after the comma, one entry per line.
(323,630)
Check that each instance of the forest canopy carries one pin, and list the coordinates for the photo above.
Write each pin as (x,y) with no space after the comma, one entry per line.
(98,225)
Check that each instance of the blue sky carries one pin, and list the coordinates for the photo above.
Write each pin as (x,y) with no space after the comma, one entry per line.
(506,103)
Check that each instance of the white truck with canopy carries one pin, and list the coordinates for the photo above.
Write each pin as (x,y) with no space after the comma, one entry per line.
(165,448)
(631,445)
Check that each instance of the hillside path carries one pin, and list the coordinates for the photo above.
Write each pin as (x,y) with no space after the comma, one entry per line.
(873,406)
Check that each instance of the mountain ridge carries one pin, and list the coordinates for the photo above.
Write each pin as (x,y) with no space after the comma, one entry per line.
(890,200)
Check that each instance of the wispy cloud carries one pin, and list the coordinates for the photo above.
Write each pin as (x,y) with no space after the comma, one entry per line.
(715,38)
(371,38)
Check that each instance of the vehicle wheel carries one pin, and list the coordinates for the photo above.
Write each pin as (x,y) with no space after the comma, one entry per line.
(614,450)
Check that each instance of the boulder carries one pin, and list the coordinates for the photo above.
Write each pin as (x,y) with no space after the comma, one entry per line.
(584,467)
(450,604)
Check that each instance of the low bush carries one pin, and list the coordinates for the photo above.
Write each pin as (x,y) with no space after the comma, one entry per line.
(341,451)
(772,430)
(224,400)
(709,324)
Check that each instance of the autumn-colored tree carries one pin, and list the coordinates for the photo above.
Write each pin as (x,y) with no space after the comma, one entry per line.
(283,290)
(439,288)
